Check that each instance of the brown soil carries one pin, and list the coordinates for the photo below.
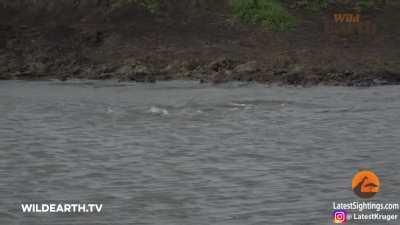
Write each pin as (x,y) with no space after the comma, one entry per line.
(209,47)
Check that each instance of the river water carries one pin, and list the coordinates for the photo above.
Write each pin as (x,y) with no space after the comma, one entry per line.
(182,153)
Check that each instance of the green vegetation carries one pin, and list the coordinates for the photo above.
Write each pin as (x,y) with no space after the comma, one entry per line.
(316,5)
(273,14)
(368,4)
(269,13)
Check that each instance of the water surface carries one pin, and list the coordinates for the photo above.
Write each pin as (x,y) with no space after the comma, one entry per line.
(182,153)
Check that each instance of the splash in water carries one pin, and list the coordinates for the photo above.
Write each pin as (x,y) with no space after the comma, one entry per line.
(157,110)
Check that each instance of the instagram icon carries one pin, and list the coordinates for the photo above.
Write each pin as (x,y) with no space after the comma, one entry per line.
(339,217)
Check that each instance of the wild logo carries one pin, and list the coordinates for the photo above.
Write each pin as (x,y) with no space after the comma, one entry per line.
(349,18)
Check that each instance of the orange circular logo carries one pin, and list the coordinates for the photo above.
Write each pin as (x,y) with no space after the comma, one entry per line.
(365,184)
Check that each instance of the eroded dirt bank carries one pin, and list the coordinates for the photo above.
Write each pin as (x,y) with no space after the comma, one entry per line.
(210,47)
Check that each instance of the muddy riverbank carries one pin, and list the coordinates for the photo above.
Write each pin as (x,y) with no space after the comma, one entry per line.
(211,47)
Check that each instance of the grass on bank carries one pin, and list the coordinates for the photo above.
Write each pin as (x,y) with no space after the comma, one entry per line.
(270,13)
(316,5)
(274,15)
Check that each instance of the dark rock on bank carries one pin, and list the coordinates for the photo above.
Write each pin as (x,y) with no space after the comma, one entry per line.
(222,63)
